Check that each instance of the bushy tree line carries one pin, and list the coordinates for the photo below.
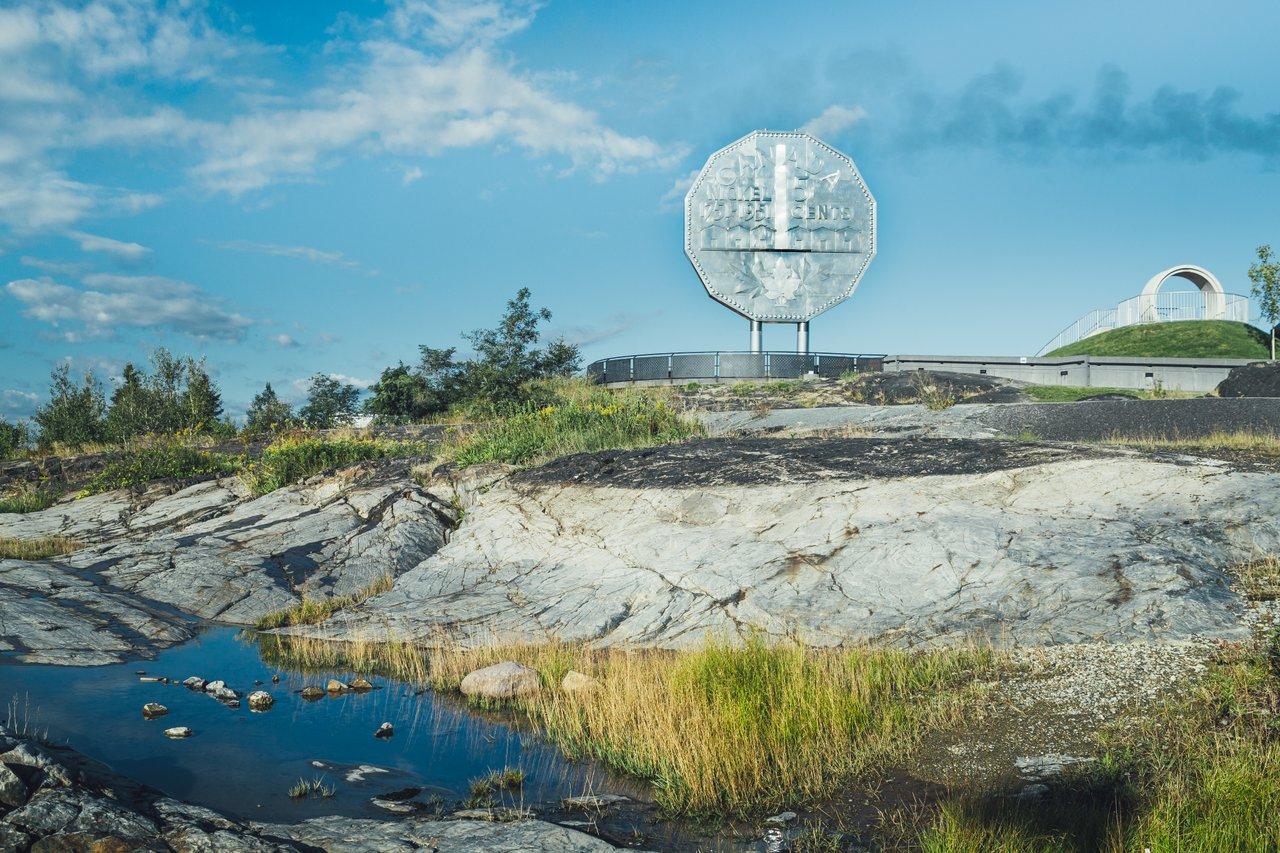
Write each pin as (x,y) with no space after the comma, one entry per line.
(508,359)
(176,396)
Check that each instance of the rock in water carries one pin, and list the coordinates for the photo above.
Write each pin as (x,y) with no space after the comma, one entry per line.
(312,692)
(360,684)
(154,709)
(577,682)
(153,679)
(177,732)
(385,730)
(193,683)
(260,700)
(506,680)
(226,694)
(336,686)
(593,801)
(214,686)
(13,792)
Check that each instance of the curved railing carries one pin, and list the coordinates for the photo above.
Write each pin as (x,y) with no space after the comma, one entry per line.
(682,366)
(1164,307)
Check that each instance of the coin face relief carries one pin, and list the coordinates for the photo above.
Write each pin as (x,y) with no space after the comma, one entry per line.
(780,226)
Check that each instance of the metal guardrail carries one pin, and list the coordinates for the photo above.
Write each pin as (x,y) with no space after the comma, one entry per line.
(1164,307)
(677,366)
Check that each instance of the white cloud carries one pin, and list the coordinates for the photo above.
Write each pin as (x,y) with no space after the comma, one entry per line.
(284,340)
(114,301)
(411,175)
(52,267)
(834,120)
(115,248)
(34,199)
(305,253)
(351,380)
(18,404)
(457,22)
(405,102)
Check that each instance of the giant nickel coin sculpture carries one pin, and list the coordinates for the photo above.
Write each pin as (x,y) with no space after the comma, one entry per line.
(780,227)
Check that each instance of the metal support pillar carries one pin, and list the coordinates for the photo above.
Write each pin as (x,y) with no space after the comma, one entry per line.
(802,337)
(756,327)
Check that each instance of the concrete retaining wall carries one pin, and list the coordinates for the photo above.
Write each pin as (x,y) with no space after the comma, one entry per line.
(1198,375)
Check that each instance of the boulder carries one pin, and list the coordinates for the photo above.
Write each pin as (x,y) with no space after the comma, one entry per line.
(506,680)
(178,732)
(336,686)
(13,792)
(578,682)
(312,692)
(361,684)
(226,694)
(193,683)
(260,700)
(1260,379)
(385,730)
(154,709)
(214,686)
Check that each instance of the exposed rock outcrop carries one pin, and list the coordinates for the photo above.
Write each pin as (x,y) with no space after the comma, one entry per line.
(210,550)
(842,541)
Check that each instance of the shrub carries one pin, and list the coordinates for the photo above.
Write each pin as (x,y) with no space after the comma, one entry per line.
(74,414)
(13,438)
(574,418)
(291,459)
(167,460)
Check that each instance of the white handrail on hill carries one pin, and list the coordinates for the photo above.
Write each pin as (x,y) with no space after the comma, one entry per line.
(1166,306)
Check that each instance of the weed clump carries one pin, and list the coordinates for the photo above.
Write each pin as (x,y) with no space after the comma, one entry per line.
(293,458)
(310,611)
(163,460)
(36,549)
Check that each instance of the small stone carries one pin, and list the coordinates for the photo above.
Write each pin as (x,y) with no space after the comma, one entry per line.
(178,732)
(154,709)
(312,692)
(578,682)
(336,686)
(593,801)
(193,683)
(260,700)
(275,679)
(232,703)
(385,730)
(506,680)
(360,684)
(781,818)
(153,679)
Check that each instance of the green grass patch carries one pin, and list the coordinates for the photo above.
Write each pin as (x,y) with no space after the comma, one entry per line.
(1071,393)
(294,458)
(41,548)
(311,611)
(579,418)
(1182,339)
(137,466)
(27,501)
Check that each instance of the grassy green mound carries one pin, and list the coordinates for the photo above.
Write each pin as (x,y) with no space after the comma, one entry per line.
(1182,339)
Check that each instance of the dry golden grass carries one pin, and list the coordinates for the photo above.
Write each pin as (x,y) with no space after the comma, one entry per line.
(723,729)
(36,549)
(1244,441)
(310,611)
(1260,579)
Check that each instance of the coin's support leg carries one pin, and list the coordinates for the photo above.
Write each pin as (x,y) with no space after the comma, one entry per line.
(756,327)
(802,337)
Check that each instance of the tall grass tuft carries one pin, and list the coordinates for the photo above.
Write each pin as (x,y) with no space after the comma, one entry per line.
(574,418)
(36,549)
(294,458)
(310,611)
(27,500)
(723,729)
(1243,441)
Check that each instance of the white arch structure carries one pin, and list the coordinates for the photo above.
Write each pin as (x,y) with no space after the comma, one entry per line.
(1215,298)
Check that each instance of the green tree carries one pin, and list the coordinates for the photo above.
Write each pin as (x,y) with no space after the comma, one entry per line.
(329,403)
(508,357)
(401,396)
(128,413)
(74,415)
(1265,275)
(177,395)
(268,413)
(202,401)
(13,438)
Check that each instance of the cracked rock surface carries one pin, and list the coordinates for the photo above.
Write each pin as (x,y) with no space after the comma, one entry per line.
(151,562)
(69,802)
(841,541)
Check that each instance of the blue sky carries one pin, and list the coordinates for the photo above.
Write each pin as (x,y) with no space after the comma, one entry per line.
(299,188)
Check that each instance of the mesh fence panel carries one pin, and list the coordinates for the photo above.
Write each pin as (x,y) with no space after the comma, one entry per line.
(650,367)
(700,365)
(617,370)
(789,365)
(741,365)
(833,366)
